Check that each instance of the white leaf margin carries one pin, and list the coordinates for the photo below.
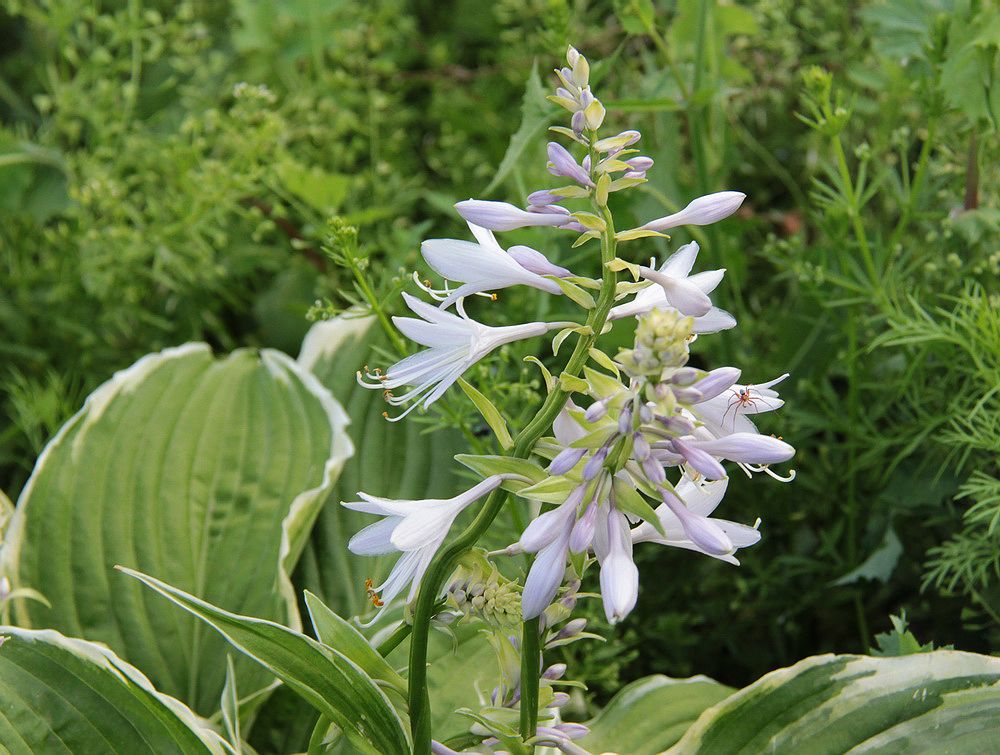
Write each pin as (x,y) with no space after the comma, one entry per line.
(104,658)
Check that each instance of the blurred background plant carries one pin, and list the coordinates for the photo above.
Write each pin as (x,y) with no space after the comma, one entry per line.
(166,171)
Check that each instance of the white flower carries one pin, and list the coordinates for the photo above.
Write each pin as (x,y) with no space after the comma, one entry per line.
(676,286)
(455,342)
(705,210)
(686,520)
(726,412)
(484,266)
(414,528)
(548,535)
(619,575)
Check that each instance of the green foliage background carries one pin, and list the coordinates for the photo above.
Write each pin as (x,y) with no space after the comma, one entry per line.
(166,171)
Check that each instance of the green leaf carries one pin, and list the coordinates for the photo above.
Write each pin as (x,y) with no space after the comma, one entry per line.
(638,233)
(651,714)
(392,459)
(536,115)
(931,702)
(325,678)
(66,695)
(490,413)
(323,191)
(549,490)
(491,465)
(631,502)
(577,294)
(900,641)
(337,633)
(879,565)
(189,466)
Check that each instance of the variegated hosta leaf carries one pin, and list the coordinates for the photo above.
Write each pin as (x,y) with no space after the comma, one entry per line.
(944,701)
(207,473)
(65,695)
(396,460)
(651,714)
(324,677)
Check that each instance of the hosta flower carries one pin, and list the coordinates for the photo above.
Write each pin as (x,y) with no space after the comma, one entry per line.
(619,575)
(688,295)
(705,210)
(485,266)
(455,342)
(686,519)
(501,216)
(414,528)
(677,269)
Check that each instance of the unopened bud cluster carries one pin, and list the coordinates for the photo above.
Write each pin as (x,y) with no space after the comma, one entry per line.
(493,599)
(661,342)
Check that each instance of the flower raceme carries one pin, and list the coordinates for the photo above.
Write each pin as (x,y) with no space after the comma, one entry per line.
(641,443)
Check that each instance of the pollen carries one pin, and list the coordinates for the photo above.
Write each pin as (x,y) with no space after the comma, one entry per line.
(494,297)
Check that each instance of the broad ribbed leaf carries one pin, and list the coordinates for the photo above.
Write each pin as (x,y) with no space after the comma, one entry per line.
(326,679)
(65,695)
(945,701)
(651,714)
(396,460)
(205,472)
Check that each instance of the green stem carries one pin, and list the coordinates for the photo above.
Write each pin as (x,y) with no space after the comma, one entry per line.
(397,340)
(391,642)
(444,562)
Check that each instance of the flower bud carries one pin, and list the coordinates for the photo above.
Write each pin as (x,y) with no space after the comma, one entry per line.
(716,382)
(705,210)
(625,420)
(559,699)
(565,460)
(583,531)
(554,672)
(595,411)
(572,629)
(701,460)
(594,465)
(563,164)
(536,262)
(502,216)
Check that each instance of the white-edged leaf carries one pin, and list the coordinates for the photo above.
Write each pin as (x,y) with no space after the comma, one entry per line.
(651,714)
(207,471)
(65,695)
(944,701)
(326,679)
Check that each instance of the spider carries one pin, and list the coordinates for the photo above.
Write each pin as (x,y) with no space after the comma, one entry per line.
(741,399)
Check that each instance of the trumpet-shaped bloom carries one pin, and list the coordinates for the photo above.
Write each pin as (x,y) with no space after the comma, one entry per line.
(455,342)
(686,519)
(619,575)
(485,266)
(502,216)
(705,210)
(414,528)
(681,287)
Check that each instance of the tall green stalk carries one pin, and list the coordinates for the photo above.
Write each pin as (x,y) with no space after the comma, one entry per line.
(445,561)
